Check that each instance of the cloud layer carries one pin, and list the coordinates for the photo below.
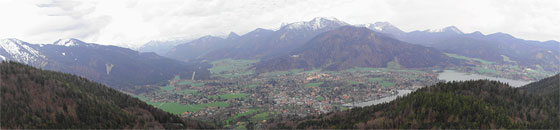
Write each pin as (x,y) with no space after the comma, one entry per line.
(135,22)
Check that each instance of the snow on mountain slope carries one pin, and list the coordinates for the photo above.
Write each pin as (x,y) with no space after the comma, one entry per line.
(446,29)
(377,26)
(315,24)
(71,42)
(20,51)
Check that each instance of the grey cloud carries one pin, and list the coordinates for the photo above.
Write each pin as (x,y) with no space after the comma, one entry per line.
(82,29)
(138,21)
(67,8)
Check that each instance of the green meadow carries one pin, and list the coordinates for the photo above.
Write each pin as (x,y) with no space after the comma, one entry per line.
(231,96)
(178,109)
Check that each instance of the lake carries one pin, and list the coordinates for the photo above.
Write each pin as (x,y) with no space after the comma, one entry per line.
(381,100)
(447,75)
(452,75)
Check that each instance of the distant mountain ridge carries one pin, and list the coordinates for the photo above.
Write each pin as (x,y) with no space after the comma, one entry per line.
(259,43)
(115,66)
(493,47)
(197,48)
(161,47)
(347,47)
(266,44)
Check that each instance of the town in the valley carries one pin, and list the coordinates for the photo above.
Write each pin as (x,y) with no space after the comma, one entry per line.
(236,96)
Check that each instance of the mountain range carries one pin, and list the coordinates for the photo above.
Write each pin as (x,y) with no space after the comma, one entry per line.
(318,43)
(161,47)
(197,48)
(347,47)
(257,44)
(264,44)
(115,66)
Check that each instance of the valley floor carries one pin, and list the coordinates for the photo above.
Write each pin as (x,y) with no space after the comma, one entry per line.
(237,97)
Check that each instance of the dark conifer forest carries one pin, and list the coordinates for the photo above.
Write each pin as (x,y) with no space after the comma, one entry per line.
(36,99)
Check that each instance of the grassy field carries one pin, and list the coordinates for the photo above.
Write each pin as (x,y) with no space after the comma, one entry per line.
(167,88)
(375,79)
(279,73)
(381,81)
(393,68)
(313,84)
(231,96)
(229,68)
(351,82)
(506,59)
(387,84)
(251,86)
(260,116)
(394,64)
(185,82)
(364,69)
(189,91)
(468,58)
(319,98)
(178,109)
(248,112)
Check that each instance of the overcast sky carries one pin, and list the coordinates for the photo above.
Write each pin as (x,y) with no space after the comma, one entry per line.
(135,22)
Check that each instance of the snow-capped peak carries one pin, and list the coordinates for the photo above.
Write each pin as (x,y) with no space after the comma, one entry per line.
(13,40)
(68,42)
(315,24)
(382,25)
(325,19)
(19,51)
(446,29)
(379,26)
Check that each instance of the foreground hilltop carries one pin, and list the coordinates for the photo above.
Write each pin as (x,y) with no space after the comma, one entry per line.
(39,99)
(479,104)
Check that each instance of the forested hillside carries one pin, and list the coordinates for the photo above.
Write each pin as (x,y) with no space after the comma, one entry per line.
(547,86)
(480,104)
(347,47)
(39,99)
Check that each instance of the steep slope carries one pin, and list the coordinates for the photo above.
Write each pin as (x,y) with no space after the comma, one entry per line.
(199,47)
(471,48)
(40,99)
(547,87)
(519,52)
(161,47)
(262,43)
(115,66)
(349,46)
(480,104)
(20,51)
(387,28)
(525,53)
(428,37)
